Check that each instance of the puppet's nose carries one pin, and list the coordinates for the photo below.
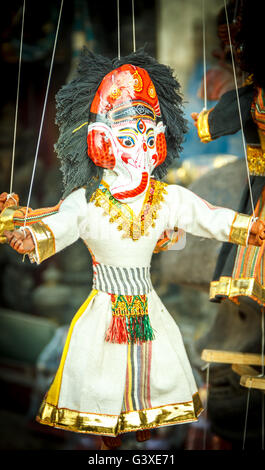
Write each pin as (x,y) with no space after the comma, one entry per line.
(144,147)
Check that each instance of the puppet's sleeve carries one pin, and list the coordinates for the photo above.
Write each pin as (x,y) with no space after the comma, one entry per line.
(52,229)
(224,119)
(189,212)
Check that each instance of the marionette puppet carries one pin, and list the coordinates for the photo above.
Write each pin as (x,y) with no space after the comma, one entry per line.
(124,367)
(240,270)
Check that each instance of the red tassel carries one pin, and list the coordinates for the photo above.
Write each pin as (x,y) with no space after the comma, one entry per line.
(117,331)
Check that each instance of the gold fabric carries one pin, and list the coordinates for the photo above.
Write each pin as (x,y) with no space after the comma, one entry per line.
(45,240)
(203,126)
(113,425)
(240,229)
(232,288)
(6,221)
(256,160)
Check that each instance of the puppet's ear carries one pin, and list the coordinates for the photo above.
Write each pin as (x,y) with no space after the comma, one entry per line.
(161,144)
(100,145)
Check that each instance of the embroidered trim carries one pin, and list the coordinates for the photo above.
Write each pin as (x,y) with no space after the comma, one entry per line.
(130,320)
(132,226)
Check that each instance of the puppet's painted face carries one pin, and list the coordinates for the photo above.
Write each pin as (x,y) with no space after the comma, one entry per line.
(132,150)
(127,135)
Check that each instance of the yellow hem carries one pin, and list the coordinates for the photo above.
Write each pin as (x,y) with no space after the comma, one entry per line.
(228,287)
(54,391)
(113,425)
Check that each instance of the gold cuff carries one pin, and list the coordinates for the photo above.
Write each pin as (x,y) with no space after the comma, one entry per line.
(240,229)
(44,241)
(203,126)
(6,221)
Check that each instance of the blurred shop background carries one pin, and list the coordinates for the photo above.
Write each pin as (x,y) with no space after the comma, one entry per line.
(38,302)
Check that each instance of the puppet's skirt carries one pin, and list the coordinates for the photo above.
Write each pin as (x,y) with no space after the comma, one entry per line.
(108,389)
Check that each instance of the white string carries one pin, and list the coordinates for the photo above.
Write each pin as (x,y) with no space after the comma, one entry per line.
(204,56)
(262,421)
(119,32)
(43,112)
(207,368)
(17,99)
(239,110)
(246,417)
(133,27)
(262,343)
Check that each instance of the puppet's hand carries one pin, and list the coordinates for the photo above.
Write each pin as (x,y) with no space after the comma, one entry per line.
(20,241)
(7,200)
(195,118)
(257,233)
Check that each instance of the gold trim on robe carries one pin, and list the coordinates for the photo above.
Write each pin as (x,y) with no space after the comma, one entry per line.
(230,288)
(113,425)
(256,160)
(203,126)
(44,241)
(6,221)
(240,229)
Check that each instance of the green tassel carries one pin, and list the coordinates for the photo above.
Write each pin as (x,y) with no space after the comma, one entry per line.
(139,328)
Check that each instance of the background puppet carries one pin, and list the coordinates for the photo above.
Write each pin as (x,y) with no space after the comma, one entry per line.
(124,367)
(241,270)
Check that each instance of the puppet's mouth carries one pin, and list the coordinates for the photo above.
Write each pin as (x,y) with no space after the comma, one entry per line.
(135,191)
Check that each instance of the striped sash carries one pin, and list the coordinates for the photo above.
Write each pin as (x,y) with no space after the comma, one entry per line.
(123,281)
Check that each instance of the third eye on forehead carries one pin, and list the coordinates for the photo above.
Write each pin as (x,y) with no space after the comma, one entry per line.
(135,131)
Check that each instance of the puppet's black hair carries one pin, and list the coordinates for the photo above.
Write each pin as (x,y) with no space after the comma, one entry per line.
(73,105)
(250,40)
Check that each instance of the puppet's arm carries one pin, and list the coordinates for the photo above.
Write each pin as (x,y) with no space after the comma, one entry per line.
(48,233)
(224,119)
(195,215)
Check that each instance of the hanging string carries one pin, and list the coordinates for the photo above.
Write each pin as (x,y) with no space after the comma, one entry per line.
(43,112)
(207,368)
(119,31)
(17,99)
(246,418)
(239,110)
(262,374)
(133,27)
(235,12)
(262,342)
(262,421)
(204,56)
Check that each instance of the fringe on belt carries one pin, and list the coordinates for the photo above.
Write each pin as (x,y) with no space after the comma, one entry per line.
(128,288)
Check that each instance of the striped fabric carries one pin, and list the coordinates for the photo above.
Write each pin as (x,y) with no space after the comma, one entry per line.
(123,281)
(249,261)
(137,392)
(33,215)
(258,109)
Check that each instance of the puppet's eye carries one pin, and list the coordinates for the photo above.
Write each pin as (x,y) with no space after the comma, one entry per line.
(151,142)
(126,141)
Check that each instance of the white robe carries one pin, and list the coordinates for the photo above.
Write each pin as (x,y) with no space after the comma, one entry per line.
(105,388)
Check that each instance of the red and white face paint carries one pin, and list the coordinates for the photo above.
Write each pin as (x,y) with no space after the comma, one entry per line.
(128,134)
(132,150)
